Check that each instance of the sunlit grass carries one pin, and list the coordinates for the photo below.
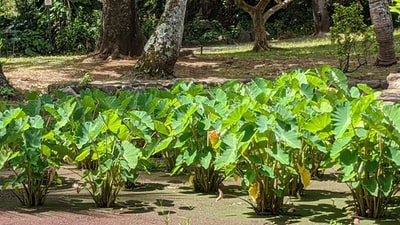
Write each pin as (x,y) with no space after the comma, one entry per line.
(310,47)
(48,60)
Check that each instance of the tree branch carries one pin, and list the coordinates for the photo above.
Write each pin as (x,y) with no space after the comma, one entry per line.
(246,7)
(279,5)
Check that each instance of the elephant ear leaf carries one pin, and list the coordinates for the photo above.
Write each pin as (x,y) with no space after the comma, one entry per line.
(341,118)
(305,175)
(339,79)
(4,157)
(254,191)
(392,114)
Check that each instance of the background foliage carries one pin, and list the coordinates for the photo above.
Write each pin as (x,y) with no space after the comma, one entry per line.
(74,24)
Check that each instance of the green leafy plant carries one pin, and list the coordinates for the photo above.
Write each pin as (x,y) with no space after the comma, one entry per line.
(6,92)
(86,79)
(191,126)
(353,38)
(30,150)
(366,147)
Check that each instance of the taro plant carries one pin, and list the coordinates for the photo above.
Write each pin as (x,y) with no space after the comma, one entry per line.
(272,132)
(31,149)
(191,127)
(119,146)
(366,146)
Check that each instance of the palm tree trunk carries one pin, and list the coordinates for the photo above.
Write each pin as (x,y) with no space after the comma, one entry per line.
(382,20)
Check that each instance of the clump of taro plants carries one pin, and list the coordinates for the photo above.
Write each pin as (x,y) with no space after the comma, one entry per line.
(272,132)
(191,126)
(30,148)
(367,139)
(118,145)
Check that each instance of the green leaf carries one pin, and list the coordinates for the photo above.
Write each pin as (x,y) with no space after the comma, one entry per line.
(279,154)
(112,120)
(162,145)
(393,154)
(131,154)
(290,137)
(46,150)
(144,118)
(267,171)
(10,115)
(372,166)
(386,182)
(339,78)
(4,157)
(371,184)
(36,122)
(341,118)
(33,138)
(234,116)
(161,128)
(263,123)
(338,146)
(348,158)
(229,151)
(318,123)
(392,114)
(205,159)
(82,155)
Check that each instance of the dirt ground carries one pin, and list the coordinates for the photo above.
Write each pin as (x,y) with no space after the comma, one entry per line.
(39,73)
(163,199)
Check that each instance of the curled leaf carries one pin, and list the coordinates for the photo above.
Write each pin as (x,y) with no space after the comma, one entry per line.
(51,172)
(213,136)
(191,178)
(254,191)
(305,175)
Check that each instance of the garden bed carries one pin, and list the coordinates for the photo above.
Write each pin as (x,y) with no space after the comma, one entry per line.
(163,199)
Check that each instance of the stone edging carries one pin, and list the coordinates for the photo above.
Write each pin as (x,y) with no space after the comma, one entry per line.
(112,86)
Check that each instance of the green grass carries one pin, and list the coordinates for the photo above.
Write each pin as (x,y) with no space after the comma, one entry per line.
(318,47)
(48,60)
(297,48)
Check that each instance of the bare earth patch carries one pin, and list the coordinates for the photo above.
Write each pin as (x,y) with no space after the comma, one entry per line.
(38,74)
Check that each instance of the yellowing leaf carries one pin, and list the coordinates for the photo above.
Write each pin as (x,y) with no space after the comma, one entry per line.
(236,177)
(191,177)
(213,136)
(305,175)
(254,191)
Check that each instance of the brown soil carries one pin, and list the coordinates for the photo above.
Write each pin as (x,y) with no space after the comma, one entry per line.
(39,74)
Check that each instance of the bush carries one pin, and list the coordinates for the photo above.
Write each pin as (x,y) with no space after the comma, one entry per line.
(353,38)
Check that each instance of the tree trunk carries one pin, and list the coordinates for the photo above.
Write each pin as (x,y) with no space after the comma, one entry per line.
(6,88)
(321,17)
(260,34)
(381,18)
(260,16)
(162,50)
(120,34)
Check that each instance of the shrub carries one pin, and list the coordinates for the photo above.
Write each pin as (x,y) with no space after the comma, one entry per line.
(353,38)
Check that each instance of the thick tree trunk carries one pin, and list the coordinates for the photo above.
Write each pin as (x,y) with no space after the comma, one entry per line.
(260,16)
(321,17)
(162,50)
(381,18)
(120,33)
(260,34)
